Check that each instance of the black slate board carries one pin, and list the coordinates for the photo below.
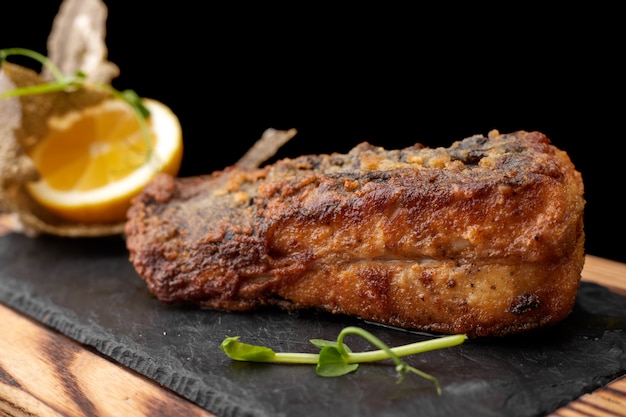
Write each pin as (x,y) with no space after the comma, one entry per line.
(88,290)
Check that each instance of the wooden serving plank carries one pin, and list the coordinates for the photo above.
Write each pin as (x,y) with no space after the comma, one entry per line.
(606,401)
(611,399)
(608,273)
(44,373)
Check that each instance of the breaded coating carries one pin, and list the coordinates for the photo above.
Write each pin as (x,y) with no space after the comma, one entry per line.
(484,237)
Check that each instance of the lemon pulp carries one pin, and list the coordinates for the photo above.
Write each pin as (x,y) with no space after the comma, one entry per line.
(94,161)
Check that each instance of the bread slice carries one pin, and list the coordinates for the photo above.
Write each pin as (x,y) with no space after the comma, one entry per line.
(484,237)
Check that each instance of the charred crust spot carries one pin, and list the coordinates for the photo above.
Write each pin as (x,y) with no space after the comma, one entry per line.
(362,176)
(378,176)
(337,160)
(451,283)
(463,306)
(236,253)
(472,157)
(426,278)
(524,302)
(377,284)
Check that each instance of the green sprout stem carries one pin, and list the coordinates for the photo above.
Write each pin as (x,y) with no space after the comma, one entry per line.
(336,359)
(386,352)
(42,59)
(63,83)
(383,353)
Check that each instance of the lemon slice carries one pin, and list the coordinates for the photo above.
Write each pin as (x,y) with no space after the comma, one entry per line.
(93,161)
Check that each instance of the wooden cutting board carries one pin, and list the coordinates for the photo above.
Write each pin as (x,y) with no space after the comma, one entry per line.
(611,399)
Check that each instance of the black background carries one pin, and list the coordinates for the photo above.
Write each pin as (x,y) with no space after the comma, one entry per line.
(389,75)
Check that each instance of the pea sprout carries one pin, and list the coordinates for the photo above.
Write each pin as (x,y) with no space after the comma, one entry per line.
(336,358)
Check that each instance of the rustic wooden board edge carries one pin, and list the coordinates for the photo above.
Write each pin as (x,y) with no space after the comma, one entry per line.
(45,373)
(609,400)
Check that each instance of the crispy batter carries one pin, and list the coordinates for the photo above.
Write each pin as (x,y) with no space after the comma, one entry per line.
(484,237)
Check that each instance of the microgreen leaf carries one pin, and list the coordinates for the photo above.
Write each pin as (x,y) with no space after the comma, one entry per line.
(332,363)
(245,352)
(132,98)
(320,343)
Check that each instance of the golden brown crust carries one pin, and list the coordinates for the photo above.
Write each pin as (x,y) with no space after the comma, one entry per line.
(484,237)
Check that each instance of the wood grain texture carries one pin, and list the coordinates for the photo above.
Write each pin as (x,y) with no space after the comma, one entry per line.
(609,400)
(43,373)
(610,274)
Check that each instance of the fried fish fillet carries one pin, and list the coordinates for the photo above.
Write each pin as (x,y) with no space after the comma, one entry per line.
(484,237)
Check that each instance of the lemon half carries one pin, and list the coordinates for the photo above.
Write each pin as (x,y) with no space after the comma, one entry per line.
(93,161)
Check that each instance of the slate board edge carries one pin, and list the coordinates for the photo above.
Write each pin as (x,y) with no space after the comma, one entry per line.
(62,320)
